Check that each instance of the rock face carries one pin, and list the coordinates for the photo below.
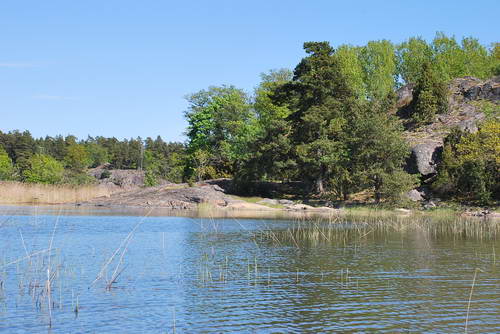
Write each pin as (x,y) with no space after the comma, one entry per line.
(172,196)
(475,89)
(124,178)
(424,158)
(426,142)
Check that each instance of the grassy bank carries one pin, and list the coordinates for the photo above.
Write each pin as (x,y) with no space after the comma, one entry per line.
(31,193)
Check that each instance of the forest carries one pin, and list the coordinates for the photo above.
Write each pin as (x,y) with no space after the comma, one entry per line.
(331,124)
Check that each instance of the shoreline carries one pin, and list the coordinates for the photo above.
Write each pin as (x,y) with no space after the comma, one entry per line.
(206,199)
(206,210)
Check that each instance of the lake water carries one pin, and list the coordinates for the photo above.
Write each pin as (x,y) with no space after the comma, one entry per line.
(112,273)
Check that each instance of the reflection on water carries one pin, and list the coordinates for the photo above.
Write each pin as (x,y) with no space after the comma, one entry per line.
(183,274)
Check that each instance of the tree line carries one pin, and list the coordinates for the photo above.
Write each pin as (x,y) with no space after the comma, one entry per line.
(66,159)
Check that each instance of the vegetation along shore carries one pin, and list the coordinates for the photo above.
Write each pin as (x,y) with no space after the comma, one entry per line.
(409,125)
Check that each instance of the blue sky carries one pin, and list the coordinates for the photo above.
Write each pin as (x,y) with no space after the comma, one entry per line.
(122,68)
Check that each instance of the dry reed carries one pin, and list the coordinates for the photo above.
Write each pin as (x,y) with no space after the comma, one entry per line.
(32,193)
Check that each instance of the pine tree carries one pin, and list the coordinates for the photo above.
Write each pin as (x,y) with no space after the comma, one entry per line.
(429,97)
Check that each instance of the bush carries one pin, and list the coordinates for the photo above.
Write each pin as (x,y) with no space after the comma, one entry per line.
(78,178)
(6,166)
(106,174)
(43,169)
(396,185)
(470,166)
(150,178)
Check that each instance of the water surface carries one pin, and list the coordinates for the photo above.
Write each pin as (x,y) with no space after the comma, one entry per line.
(201,275)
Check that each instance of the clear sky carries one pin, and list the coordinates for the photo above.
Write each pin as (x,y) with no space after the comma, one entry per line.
(122,68)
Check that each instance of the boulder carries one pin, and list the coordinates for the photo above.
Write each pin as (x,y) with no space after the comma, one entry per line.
(424,158)
(404,95)
(414,195)
(429,205)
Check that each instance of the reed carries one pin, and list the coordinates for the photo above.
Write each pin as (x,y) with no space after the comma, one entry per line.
(340,230)
(32,193)
(470,298)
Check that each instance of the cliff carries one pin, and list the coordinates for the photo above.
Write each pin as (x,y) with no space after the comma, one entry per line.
(466,100)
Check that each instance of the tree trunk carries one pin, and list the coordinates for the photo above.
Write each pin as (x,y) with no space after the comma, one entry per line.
(319,186)
(377,186)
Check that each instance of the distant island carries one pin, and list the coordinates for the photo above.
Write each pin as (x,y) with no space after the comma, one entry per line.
(414,124)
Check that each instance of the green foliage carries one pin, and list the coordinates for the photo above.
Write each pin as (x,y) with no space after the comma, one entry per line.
(430,96)
(220,125)
(203,167)
(353,69)
(394,185)
(327,124)
(377,154)
(378,61)
(97,154)
(454,60)
(268,152)
(449,58)
(320,96)
(6,166)
(471,164)
(153,168)
(77,178)
(411,56)
(338,139)
(43,169)
(77,158)
(477,60)
(106,174)
(19,146)
(76,155)
(495,55)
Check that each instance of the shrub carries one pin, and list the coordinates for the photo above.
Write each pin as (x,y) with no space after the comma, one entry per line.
(106,174)
(6,166)
(470,165)
(43,169)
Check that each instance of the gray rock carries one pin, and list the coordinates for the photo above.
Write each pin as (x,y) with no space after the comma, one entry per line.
(489,90)
(468,125)
(429,205)
(404,95)
(285,202)
(424,158)
(414,195)
(268,201)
